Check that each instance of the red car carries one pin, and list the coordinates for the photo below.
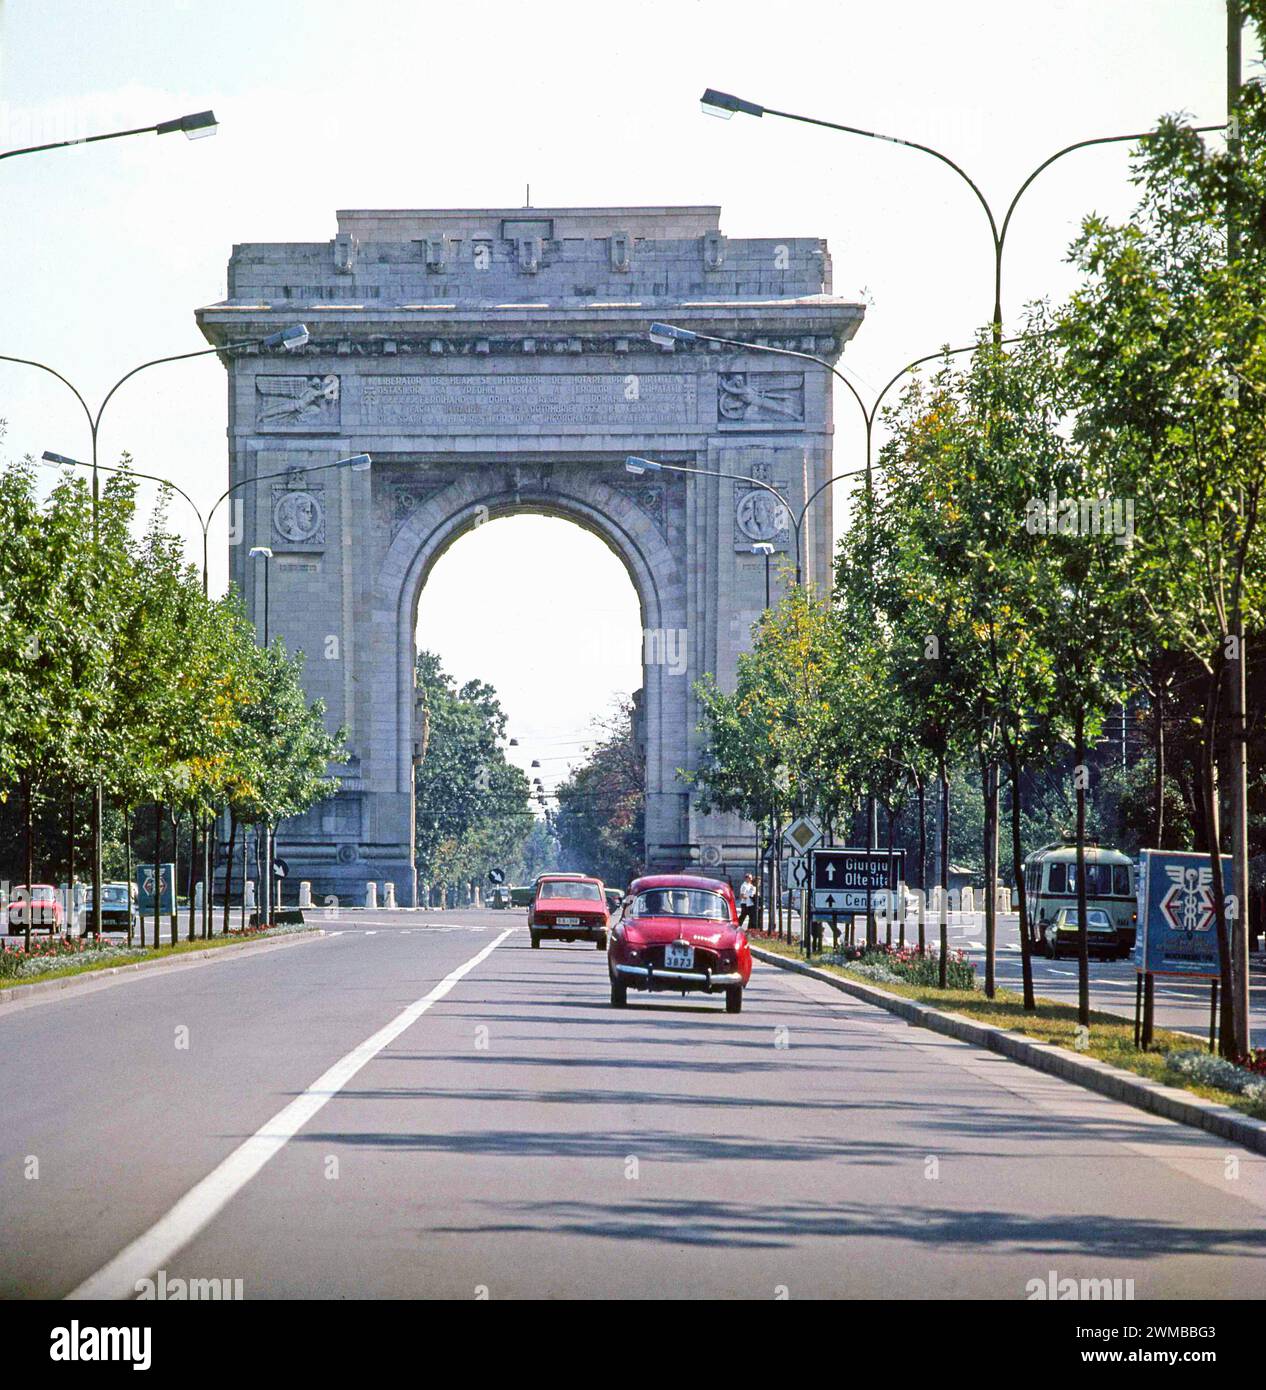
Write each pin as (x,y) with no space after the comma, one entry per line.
(45,907)
(569,907)
(679,932)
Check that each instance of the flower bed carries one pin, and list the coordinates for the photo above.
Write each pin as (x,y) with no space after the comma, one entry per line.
(1206,1069)
(904,964)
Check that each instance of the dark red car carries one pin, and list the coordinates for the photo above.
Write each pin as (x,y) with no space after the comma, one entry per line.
(679,932)
(569,907)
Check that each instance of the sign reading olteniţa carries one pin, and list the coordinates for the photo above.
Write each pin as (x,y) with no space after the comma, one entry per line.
(1177,931)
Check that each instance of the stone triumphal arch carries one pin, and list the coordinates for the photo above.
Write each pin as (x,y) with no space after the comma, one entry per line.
(497,361)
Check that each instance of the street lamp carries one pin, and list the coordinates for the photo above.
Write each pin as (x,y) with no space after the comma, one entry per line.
(766,549)
(290,338)
(357,463)
(723,104)
(264,553)
(195,127)
(636,464)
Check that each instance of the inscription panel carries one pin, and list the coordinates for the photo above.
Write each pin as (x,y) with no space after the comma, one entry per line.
(556,401)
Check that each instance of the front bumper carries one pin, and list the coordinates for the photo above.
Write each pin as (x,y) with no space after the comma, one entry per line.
(647,977)
(570,933)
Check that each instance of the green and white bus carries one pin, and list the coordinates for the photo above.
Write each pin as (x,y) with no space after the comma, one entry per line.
(1050,882)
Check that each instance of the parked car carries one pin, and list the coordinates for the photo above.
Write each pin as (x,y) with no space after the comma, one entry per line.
(569,907)
(1060,934)
(679,932)
(118,906)
(41,905)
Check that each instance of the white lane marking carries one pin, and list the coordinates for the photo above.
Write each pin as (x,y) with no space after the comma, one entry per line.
(203,1202)
(374,933)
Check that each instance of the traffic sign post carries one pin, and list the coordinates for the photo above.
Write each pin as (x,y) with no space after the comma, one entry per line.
(849,881)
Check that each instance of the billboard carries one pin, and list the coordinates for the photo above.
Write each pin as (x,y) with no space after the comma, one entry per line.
(145,888)
(1177,931)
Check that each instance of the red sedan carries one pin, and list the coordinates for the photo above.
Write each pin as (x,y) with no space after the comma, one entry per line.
(42,904)
(569,907)
(679,932)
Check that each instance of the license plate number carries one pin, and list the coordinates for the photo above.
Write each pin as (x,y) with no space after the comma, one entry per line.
(678,957)
(568,921)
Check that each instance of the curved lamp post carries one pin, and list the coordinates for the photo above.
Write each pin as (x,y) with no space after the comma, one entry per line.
(724,105)
(357,463)
(195,127)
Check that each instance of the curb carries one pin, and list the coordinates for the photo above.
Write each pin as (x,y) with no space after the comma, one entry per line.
(1169,1102)
(42,991)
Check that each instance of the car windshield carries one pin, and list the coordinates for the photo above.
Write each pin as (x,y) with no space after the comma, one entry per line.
(112,893)
(563,888)
(681,902)
(1095,917)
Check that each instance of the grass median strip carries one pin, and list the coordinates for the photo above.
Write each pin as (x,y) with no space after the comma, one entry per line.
(1111,1037)
(111,955)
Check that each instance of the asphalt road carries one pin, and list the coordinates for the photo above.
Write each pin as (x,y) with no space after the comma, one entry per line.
(344,1118)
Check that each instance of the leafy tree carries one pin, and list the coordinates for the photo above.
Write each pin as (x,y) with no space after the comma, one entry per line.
(600,822)
(1166,342)
(472,811)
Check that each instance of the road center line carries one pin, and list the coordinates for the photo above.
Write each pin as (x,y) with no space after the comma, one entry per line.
(203,1202)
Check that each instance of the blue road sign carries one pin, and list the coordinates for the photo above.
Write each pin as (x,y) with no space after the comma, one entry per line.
(1177,931)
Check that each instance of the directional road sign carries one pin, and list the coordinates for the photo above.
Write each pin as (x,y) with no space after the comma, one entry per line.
(848,880)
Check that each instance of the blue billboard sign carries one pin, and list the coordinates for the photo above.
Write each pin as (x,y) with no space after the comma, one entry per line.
(1177,933)
(145,888)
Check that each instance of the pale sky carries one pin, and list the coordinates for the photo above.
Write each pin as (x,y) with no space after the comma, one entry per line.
(108,249)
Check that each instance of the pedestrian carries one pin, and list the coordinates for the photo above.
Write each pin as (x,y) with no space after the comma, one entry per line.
(747,903)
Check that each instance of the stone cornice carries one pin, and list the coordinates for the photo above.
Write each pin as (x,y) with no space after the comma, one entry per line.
(818,324)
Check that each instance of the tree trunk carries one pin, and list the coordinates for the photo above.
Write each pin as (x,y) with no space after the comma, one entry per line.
(1083,941)
(189,877)
(228,869)
(1158,759)
(945,877)
(892,892)
(158,873)
(174,914)
(127,859)
(70,866)
(1213,830)
(29,851)
(1017,868)
(923,862)
(989,791)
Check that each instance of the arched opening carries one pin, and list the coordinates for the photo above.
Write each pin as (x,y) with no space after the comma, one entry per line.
(529,634)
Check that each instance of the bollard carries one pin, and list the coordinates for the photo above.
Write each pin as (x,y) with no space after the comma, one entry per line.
(305,893)
(249,900)
(371,894)
(389,894)
(197,896)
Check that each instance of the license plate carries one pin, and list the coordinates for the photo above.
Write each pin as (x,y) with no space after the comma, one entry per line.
(567,921)
(678,957)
